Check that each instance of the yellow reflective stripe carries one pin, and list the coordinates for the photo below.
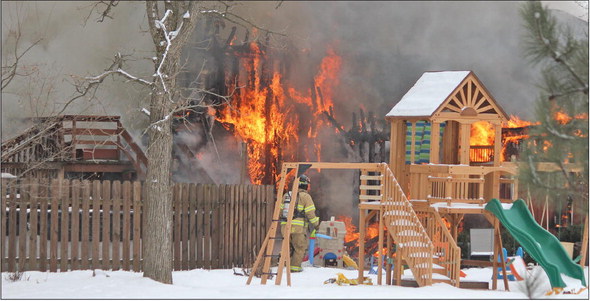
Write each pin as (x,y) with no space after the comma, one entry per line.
(297,222)
(314,220)
(300,207)
(295,268)
(309,208)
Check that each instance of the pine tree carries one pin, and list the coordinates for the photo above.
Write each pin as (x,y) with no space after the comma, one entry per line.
(561,137)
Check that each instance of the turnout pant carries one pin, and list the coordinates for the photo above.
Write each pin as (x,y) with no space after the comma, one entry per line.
(298,245)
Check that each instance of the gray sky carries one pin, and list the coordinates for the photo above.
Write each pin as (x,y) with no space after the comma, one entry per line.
(385,47)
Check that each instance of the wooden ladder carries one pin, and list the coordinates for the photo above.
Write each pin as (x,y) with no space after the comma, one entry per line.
(267,249)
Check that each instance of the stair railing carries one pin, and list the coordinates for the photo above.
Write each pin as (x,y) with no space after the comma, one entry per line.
(404,226)
(446,251)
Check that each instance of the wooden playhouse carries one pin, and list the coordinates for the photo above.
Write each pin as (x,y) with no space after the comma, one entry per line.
(430,159)
(430,179)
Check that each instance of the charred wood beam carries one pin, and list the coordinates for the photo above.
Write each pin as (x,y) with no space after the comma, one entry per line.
(320,97)
(230,38)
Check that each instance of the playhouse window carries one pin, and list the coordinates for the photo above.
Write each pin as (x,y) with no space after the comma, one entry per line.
(421,142)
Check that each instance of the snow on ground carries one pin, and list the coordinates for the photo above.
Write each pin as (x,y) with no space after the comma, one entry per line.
(223,284)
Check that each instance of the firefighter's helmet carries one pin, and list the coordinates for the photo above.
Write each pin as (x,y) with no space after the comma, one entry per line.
(304,181)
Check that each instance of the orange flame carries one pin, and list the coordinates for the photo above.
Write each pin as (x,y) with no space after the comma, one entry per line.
(482,133)
(351,233)
(263,114)
(563,118)
(516,122)
(371,231)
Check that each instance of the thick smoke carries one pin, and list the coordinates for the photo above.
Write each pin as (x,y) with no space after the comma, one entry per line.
(385,47)
(69,47)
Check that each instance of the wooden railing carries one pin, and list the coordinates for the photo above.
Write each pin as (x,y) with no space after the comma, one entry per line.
(481,153)
(460,189)
(36,143)
(71,138)
(446,252)
(404,226)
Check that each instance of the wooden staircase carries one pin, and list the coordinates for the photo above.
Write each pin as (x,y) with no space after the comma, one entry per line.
(431,254)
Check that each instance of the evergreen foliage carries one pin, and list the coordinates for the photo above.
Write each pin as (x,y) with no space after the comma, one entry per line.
(561,108)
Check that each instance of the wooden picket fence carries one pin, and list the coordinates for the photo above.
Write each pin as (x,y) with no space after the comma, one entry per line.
(215,226)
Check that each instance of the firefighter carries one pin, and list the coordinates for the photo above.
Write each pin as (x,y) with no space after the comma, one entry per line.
(303,215)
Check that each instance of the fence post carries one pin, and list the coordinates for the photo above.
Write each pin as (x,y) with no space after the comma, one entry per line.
(3,226)
(34,223)
(106,225)
(137,211)
(176,225)
(192,226)
(22,232)
(116,225)
(11,227)
(53,225)
(96,197)
(207,227)
(65,223)
(200,203)
(43,226)
(232,224)
(85,224)
(75,223)
(126,224)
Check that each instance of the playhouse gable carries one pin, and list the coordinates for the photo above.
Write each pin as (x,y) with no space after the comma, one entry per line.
(448,95)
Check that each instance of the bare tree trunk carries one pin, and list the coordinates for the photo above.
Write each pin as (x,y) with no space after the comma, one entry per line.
(157,236)
(158,214)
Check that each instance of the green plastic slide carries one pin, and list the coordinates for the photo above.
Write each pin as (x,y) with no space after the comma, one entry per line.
(543,246)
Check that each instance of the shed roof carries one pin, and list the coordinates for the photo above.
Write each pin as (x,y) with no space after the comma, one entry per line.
(428,93)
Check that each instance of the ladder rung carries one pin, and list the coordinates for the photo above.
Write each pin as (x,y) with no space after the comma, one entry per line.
(370,197)
(371,187)
(276,237)
(365,177)
(277,255)
(268,273)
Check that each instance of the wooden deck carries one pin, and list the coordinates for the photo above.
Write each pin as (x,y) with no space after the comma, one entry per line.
(73,144)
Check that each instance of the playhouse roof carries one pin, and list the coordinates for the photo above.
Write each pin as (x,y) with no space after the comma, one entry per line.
(458,92)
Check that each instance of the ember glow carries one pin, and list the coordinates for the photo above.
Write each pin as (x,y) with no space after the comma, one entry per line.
(271,116)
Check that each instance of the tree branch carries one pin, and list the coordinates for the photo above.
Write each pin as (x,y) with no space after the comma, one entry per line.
(9,72)
(555,54)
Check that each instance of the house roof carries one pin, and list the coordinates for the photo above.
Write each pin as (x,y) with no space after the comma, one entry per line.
(428,93)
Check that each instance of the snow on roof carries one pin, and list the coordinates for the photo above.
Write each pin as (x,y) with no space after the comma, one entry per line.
(428,93)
